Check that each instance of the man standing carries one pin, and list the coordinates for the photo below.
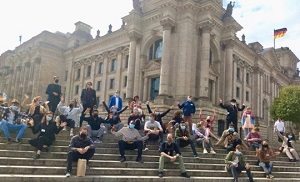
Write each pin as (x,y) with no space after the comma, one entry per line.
(54,92)
(116,101)
(88,99)
(279,126)
(232,112)
(188,109)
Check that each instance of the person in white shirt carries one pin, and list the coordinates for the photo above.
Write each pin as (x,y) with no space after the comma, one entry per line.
(279,126)
(154,129)
(69,113)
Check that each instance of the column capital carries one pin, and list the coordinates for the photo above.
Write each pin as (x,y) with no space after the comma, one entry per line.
(134,36)
(228,44)
(167,23)
(206,26)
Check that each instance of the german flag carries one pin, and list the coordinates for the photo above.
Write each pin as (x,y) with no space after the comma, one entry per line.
(279,33)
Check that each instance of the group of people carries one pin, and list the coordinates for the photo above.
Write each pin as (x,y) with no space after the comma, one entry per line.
(180,132)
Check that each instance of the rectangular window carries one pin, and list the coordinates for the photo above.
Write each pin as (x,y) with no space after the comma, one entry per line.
(66,75)
(124,96)
(210,89)
(126,61)
(125,81)
(100,68)
(247,78)
(210,57)
(78,74)
(238,73)
(238,92)
(113,65)
(247,96)
(76,89)
(88,71)
(98,100)
(112,84)
(98,86)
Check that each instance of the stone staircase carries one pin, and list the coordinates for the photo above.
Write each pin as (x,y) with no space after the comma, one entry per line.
(16,164)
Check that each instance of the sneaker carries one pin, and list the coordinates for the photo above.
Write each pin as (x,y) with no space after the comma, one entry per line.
(160,174)
(139,159)
(71,133)
(68,175)
(205,151)
(123,159)
(267,176)
(212,151)
(185,175)
(97,141)
(146,149)
(36,156)
(8,141)
(271,176)
(16,140)
(196,156)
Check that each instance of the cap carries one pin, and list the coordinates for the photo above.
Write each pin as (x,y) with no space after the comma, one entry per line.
(15,101)
(232,100)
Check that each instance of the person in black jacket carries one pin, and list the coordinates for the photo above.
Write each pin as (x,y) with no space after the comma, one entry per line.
(47,129)
(94,125)
(114,116)
(137,117)
(81,147)
(159,115)
(232,113)
(88,99)
(54,92)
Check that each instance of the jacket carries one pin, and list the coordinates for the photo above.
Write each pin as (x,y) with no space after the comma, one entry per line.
(92,101)
(53,88)
(180,134)
(188,108)
(232,112)
(48,131)
(112,102)
(231,156)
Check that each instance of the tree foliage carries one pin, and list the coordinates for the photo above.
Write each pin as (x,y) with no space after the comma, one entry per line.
(287,105)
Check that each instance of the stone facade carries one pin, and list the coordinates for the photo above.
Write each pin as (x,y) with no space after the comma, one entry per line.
(167,49)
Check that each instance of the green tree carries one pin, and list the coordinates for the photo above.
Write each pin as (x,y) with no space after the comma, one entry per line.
(287,105)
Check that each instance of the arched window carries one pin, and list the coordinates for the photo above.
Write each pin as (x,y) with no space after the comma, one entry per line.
(155,51)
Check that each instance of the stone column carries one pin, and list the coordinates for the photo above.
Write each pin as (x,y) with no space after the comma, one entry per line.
(137,72)
(105,82)
(119,77)
(229,76)
(134,37)
(36,77)
(26,77)
(145,92)
(167,24)
(17,81)
(204,64)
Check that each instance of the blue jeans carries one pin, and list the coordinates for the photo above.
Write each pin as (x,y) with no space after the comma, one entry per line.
(255,145)
(236,170)
(267,167)
(7,127)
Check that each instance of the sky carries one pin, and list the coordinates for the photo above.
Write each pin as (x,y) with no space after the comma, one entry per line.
(28,18)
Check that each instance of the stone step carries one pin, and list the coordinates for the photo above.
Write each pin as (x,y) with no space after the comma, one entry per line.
(123,178)
(130,157)
(46,170)
(130,164)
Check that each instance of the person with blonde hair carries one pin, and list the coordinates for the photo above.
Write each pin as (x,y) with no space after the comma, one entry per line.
(47,129)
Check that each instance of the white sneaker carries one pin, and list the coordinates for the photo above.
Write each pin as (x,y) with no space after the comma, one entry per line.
(97,141)
(212,151)
(205,151)
(146,149)
(71,133)
(68,175)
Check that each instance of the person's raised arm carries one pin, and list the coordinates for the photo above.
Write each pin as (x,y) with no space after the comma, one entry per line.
(222,105)
(166,112)
(124,109)
(105,106)
(148,107)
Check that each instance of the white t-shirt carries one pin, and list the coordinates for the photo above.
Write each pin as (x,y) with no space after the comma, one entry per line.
(280,126)
(152,126)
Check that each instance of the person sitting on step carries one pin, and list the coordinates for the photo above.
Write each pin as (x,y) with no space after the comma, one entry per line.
(265,156)
(136,115)
(131,140)
(95,130)
(81,147)
(47,130)
(158,115)
(231,139)
(114,117)
(69,113)
(37,109)
(154,130)
(12,121)
(182,136)
(202,138)
(235,163)
(288,146)
(169,150)
(254,138)
(176,120)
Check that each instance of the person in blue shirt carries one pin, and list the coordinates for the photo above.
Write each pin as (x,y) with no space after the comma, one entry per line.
(189,109)
(116,101)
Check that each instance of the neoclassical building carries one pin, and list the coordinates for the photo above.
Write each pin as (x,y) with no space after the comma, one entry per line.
(164,51)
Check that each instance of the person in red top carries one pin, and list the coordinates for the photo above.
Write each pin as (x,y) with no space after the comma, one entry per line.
(209,121)
(254,139)
(247,121)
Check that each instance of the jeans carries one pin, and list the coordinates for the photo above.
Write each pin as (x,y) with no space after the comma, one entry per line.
(74,156)
(130,146)
(267,167)
(235,170)
(162,163)
(255,145)
(183,143)
(95,133)
(204,144)
(154,137)
(7,127)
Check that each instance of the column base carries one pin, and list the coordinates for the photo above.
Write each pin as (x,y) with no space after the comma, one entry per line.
(164,100)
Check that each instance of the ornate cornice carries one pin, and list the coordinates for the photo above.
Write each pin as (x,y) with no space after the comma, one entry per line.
(206,26)
(167,23)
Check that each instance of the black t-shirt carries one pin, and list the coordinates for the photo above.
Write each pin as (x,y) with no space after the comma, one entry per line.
(169,149)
